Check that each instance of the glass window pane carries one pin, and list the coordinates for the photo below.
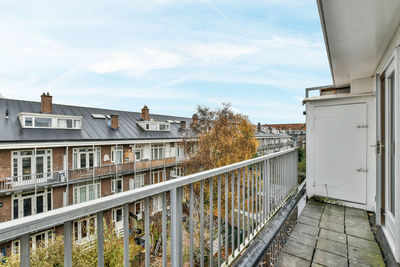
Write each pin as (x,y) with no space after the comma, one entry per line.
(84,228)
(119,186)
(15,211)
(26,166)
(69,123)
(39,167)
(91,192)
(28,121)
(49,201)
(91,160)
(119,215)
(27,206)
(82,195)
(62,123)
(39,204)
(83,160)
(75,161)
(15,167)
(42,122)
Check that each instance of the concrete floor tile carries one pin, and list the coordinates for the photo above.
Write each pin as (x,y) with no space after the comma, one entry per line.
(308,220)
(289,260)
(356,212)
(306,229)
(357,264)
(332,246)
(331,235)
(332,226)
(360,232)
(305,239)
(311,213)
(366,257)
(329,259)
(363,244)
(298,250)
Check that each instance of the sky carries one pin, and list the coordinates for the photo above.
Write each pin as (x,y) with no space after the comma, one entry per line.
(170,55)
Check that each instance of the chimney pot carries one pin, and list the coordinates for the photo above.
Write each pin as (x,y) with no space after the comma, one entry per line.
(183,125)
(46,103)
(114,121)
(145,113)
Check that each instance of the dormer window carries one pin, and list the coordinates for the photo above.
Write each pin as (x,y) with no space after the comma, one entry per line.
(154,125)
(39,120)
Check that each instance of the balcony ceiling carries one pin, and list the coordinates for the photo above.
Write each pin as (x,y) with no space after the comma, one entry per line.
(357,33)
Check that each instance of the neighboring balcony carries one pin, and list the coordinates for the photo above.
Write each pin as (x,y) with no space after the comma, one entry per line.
(32,180)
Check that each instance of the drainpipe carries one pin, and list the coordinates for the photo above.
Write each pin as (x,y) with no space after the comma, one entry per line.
(67,177)
(35,175)
(151,158)
(165,173)
(116,166)
(94,161)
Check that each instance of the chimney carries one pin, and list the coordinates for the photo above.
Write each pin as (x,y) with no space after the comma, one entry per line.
(114,121)
(195,119)
(145,113)
(47,103)
(183,125)
(259,127)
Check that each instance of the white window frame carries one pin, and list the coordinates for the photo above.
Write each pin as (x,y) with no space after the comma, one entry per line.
(137,181)
(157,203)
(118,149)
(77,229)
(77,152)
(45,193)
(157,151)
(155,176)
(86,185)
(48,236)
(17,157)
(138,213)
(54,119)
(138,149)
(114,184)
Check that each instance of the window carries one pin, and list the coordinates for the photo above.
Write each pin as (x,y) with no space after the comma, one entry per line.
(26,165)
(27,204)
(136,182)
(117,154)
(157,151)
(84,229)
(116,185)
(157,203)
(157,177)
(147,126)
(64,123)
(86,157)
(138,153)
(164,127)
(86,191)
(138,208)
(39,239)
(28,121)
(177,171)
(117,217)
(39,120)
(42,122)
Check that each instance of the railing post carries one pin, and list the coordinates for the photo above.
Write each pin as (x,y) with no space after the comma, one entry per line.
(267,187)
(100,240)
(25,251)
(126,234)
(164,230)
(147,231)
(68,244)
(176,226)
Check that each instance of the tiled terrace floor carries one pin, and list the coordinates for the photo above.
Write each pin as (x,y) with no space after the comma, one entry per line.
(330,235)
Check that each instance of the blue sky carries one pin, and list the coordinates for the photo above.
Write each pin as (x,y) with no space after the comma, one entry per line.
(171,55)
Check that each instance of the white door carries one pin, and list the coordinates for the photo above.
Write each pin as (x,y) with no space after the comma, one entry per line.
(340,133)
(390,151)
(118,220)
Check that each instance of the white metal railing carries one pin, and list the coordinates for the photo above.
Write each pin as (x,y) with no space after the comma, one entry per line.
(237,200)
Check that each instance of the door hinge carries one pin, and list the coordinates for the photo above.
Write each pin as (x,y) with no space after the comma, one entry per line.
(362,126)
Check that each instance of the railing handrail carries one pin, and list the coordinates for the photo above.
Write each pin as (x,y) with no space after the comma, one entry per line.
(13,229)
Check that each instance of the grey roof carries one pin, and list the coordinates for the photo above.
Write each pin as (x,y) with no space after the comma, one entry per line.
(263,134)
(92,129)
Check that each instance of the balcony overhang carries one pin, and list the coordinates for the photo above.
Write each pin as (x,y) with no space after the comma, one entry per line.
(357,34)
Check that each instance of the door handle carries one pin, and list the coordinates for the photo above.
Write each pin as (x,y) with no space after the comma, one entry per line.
(361,170)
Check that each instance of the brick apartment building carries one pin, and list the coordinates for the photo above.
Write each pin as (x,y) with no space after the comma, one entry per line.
(54,155)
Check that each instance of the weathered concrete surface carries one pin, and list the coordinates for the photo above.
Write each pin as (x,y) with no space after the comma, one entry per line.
(331,235)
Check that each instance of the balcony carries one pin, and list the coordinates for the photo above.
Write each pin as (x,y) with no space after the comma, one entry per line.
(213,215)
(32,180)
